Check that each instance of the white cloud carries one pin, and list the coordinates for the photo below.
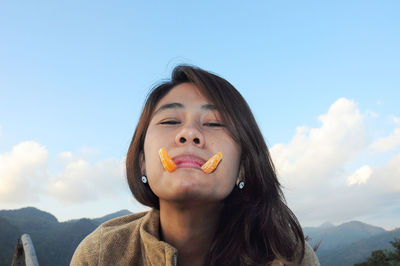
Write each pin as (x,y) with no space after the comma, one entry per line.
(396,120)
(65,155)
(378,190)
(371,114)
(88,152)
(25,177)
(23,171)
(387,178)
(387,143)
(318,153)
(316,169)
(361,176)
(80,182)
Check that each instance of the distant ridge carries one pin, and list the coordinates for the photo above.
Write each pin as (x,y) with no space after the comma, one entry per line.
(326,225)
(54,242)
(112,216)
(349,243)
(358,251)
(104,218)
(332,237)
(323,226)
(27,213)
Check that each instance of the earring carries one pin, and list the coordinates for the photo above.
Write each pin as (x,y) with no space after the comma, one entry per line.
(240,183)
(240,180)
(144,179)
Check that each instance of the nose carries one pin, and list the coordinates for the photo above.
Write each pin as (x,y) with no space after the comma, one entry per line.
(190,135)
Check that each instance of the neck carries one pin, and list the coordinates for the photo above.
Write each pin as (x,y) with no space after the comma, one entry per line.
(189,229)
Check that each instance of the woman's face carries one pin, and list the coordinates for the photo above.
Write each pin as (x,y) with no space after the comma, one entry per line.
(189,128)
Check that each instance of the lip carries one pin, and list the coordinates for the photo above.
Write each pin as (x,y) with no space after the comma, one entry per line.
(188,161)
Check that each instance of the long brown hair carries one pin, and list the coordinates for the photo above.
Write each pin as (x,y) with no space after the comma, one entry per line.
(255,225)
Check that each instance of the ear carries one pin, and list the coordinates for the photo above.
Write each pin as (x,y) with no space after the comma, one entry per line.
(241,174)
(142,163)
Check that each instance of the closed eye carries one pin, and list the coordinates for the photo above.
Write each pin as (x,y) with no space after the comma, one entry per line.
(169,122)
(213,125)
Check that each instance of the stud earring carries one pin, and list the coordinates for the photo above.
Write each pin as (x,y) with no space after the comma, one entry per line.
(240,183)
(144,179)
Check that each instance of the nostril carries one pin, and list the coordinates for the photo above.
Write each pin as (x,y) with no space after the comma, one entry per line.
(196,140)
(182,140)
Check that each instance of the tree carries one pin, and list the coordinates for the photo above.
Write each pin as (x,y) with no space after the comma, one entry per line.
(384,258)
(395,255)
(378,258)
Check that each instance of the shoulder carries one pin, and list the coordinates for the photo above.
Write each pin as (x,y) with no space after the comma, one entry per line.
(310,258)
(120,222)
(89,250)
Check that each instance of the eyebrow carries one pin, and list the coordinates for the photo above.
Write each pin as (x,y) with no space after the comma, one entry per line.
(181,106)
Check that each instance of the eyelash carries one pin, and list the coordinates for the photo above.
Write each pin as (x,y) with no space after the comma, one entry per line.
(213,124)
(170,122)
(173,122)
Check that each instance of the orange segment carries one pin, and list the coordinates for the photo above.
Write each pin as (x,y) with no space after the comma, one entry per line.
(166,161)
(212,163)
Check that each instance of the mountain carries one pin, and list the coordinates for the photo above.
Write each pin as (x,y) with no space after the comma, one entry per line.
(8,232)
(358,251)
(30,217)
(105,218)
(332,237)
(313,230)
(111,216)
(54,242)
(326,225)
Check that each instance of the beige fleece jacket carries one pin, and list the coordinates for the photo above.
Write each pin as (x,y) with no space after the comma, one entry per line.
(134,240)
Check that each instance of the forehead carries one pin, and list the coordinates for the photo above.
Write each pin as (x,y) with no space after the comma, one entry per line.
(186,93)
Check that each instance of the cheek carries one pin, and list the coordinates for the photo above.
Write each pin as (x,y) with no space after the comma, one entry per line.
(153,172)
(233,153)
(150,154)
(151,158)
(231,164)
(231,169)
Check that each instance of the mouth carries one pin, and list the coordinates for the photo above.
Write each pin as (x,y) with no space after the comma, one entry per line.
(188,161)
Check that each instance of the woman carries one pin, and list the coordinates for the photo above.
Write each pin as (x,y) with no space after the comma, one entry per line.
(228,211)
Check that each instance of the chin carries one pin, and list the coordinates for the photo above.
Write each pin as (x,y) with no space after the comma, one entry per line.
(186,192)
(191,195)
(186,185)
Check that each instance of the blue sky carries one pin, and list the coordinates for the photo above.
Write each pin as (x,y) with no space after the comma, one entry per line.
(322,79)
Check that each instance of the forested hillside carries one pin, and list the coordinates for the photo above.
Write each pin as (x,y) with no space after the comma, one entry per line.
(54,242)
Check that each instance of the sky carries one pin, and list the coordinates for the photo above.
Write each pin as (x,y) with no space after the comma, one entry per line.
(321,77)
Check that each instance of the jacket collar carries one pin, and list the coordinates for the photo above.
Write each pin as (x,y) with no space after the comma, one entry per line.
(156,251)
